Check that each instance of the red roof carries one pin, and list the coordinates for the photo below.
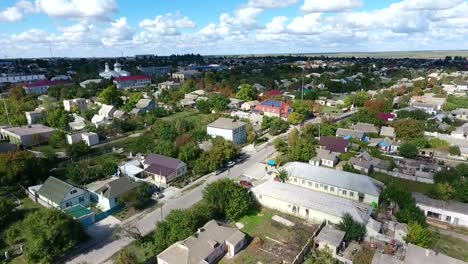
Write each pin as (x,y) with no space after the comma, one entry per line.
(275,92)
(45,83)
(276,107)
(334,144)
(132,78)
(385,116)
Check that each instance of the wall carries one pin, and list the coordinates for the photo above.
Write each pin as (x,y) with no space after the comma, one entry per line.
(462,218)
(225,133)
(406,176)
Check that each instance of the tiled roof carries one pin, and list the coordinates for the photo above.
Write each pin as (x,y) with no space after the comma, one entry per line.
(44,83)
(334,144)
(132,78)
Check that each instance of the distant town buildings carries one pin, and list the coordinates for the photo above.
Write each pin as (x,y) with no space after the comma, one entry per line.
(132,82)
(155,70)
(117,72)
(20,78)
(41,87)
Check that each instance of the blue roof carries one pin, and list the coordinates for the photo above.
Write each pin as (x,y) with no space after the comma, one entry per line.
(272,103)
(384,144)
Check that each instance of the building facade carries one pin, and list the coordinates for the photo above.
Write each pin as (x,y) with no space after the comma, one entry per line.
(132,82)
(229,129)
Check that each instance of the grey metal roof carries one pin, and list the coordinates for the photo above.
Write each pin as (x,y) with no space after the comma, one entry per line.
(55,189)
(419,255)
(314,200)
(115,187)
(29,130)
(341,179)
(342,132)
(387,131)
(365,127)
(227,123)
(330,236)
(453,206)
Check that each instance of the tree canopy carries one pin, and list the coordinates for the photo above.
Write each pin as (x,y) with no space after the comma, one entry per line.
(111,96)
(354,230)
(247,92)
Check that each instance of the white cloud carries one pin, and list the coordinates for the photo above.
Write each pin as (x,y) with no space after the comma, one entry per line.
(78,9)
(276,26)
(246,16)
(167,24)
(118,33)
(16,13)
(429,4)
(271,3)
(314,6)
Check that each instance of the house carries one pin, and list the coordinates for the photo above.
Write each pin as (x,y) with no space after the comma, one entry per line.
(229,129)
(116,73)
(59,194)
(326,158)
(445,212)
(90,81)
(119,114)
(107,193)
(385,145)
(274,108)
(185,75)
(311,205)
(366,128)
(133,169)
(386,117)
(365,163)
(357,187)
(168,85)
(250,105)
(34,117)
(428,103)
(329,238)
(334,144)
(426,153)
(350,134)
(461,114)
(89,138)
(145,105)
(41,87)
(161,169)
(107,111)
(235,103)
(78,104)
(27,136)
(132,82)
(211,243)
(415,255)
(387,131)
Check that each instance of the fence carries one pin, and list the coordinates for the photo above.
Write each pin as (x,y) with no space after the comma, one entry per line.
(115,209)
(406,176)
(306,248)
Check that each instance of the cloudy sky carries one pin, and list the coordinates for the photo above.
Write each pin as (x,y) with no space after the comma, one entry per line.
(75,28)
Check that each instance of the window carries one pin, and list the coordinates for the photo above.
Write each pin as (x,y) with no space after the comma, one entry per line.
(310,184)
(295,179)
(351,194)
(325,187)
(332,189)
(68,204)
(81,199)
(259,196)
(344,192)
(321,185)
(433,215)
(73,191)
(303,181)
(316,185)
(448,218)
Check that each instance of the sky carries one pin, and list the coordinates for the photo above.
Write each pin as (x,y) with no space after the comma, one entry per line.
(105,28)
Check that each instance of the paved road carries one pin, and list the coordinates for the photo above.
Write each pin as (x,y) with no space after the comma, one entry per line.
(102,248)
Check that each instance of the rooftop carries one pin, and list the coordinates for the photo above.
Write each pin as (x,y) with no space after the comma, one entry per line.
(226,123)
(447,205)
(55,189)
(314,200)
(419,255)
(162,160)
(29,130)
(113,187)
(343,132)
(334,144)
(365,127)
(330,236)
(341,179)
(132,78)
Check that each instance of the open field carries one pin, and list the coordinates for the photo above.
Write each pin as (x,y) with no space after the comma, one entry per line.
(411,186)
(270,241)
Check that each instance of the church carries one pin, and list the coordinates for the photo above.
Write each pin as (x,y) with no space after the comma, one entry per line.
(117,72)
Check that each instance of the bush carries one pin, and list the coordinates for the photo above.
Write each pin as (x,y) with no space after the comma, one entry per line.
(354,230)
(409,150)
(419,235)
(143,195)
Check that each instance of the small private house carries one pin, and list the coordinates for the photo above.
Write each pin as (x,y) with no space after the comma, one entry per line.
(273,108)
(365,163)
(168,85)
(107,193)
(143,106)
(329,238)
(460,114)
(387,131)
(77,104)
(415,255)
(249,106)
(208,246)
(58,194)
(334,144)
(366,128)
(325,158)
(350,134)
(357,187)
(183,75)
(89,138)
(161,170)
(34,117)
(27,136)
(311,205)
(229,129)
(443,212)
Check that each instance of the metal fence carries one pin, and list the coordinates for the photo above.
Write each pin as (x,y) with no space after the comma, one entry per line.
(115,209)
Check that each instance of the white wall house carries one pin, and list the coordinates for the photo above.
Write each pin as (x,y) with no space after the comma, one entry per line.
(78,104)
(229,129)
(33,117)
(450,212)
(343,184)
(107,193)
(59,194)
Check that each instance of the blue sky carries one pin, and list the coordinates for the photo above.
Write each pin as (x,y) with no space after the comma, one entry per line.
(30,28)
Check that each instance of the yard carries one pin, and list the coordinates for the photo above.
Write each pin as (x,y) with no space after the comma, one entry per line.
(271,242)
(411,186)
(450,246)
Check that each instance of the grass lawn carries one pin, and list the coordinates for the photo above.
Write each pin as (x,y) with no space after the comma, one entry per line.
(364,256)
(27,203)
(183,114)
(411,186)
(450,246)
(348,155)
(271,242)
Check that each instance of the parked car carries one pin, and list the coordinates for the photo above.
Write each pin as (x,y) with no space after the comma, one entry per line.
(231,164)
(217,172)
(246,184)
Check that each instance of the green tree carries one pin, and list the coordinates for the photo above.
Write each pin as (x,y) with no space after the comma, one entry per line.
(295,118)
(236,203)
(354,230)
(407,129)
(189,153)
(77,150)
(302,149)
(6,212)
(303,107)
(111,96)
(357,99)
(218,102)
(324,256)
(125,256)
(57,139)
(443,191)
(164,130)
(22,168)
(419,235)
(49,234)
(188,86)
(283,175)
(247,92)
(58,118)
(408,150)
(455,150)
(143,195)
(203,106)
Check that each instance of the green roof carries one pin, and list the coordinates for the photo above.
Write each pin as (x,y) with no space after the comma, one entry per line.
(78,211)
(55,189)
